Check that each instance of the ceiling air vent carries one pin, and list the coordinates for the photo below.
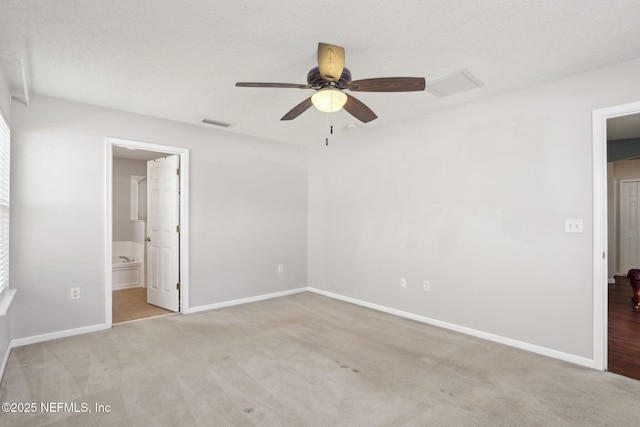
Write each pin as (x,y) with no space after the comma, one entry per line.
(457,82)
(215,123)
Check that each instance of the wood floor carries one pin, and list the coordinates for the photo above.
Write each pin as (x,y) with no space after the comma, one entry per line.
(131,304)
(624,331)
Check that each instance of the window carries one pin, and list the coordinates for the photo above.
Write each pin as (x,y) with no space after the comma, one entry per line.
(5,149)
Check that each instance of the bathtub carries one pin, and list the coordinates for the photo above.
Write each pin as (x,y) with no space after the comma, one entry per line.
(126,273)
(128,265)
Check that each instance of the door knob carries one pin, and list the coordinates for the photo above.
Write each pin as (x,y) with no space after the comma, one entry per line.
(147,239)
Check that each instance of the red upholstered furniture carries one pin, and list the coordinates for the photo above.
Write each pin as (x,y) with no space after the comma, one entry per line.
(634,280)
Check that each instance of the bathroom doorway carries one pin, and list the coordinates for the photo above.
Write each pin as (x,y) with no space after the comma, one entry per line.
(134,277)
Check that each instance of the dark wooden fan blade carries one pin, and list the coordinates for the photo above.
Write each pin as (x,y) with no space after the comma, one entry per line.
(358,110)
(330,61)
(276,85)
(298,109)
(388,84)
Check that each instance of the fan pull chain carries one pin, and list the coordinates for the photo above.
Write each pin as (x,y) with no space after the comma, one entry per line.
(329,122)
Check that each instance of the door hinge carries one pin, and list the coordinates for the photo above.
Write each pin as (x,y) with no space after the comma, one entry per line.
(177,228)
(178,286)
(178,171)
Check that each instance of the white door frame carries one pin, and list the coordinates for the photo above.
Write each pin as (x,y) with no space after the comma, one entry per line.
(600,277)
(184,217)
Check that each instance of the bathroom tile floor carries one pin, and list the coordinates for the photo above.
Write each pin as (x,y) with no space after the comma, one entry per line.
(131,304)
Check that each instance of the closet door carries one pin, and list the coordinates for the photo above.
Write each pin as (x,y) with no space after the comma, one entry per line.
(629,221)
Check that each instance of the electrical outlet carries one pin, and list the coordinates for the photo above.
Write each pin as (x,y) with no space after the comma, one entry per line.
(281,268)
(426,285)
(403,282)
(75,293)
(574,225)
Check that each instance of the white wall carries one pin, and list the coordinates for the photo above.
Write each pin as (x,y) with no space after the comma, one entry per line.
(123,228)
(248,211)
(5,101)
(626,169)
(5,95)
(474,200)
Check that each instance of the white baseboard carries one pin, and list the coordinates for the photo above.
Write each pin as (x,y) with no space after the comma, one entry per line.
(462,329)
(200,308)
(19,342)
(123,287)
(468,331)
(5,361)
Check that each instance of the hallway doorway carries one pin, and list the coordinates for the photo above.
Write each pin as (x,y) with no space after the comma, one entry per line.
(623,235)
(606,250)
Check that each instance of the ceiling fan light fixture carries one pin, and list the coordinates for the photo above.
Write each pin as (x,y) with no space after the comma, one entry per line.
(329,100)
(331,78)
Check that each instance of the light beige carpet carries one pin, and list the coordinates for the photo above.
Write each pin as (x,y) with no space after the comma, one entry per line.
(305,360)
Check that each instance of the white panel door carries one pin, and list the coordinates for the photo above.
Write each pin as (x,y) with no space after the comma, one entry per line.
(163,237)
(629,219)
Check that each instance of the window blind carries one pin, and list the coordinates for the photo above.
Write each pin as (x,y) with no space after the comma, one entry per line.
(5,149)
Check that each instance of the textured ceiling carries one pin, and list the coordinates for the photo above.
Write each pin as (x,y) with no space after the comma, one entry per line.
(179,60)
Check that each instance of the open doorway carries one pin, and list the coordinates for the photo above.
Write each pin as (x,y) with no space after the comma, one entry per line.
(613,172)
(145,259)
(623,233)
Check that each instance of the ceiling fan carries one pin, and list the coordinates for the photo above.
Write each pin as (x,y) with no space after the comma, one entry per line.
(331,78)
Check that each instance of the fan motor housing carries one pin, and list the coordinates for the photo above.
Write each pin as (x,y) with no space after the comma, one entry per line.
(315,79)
